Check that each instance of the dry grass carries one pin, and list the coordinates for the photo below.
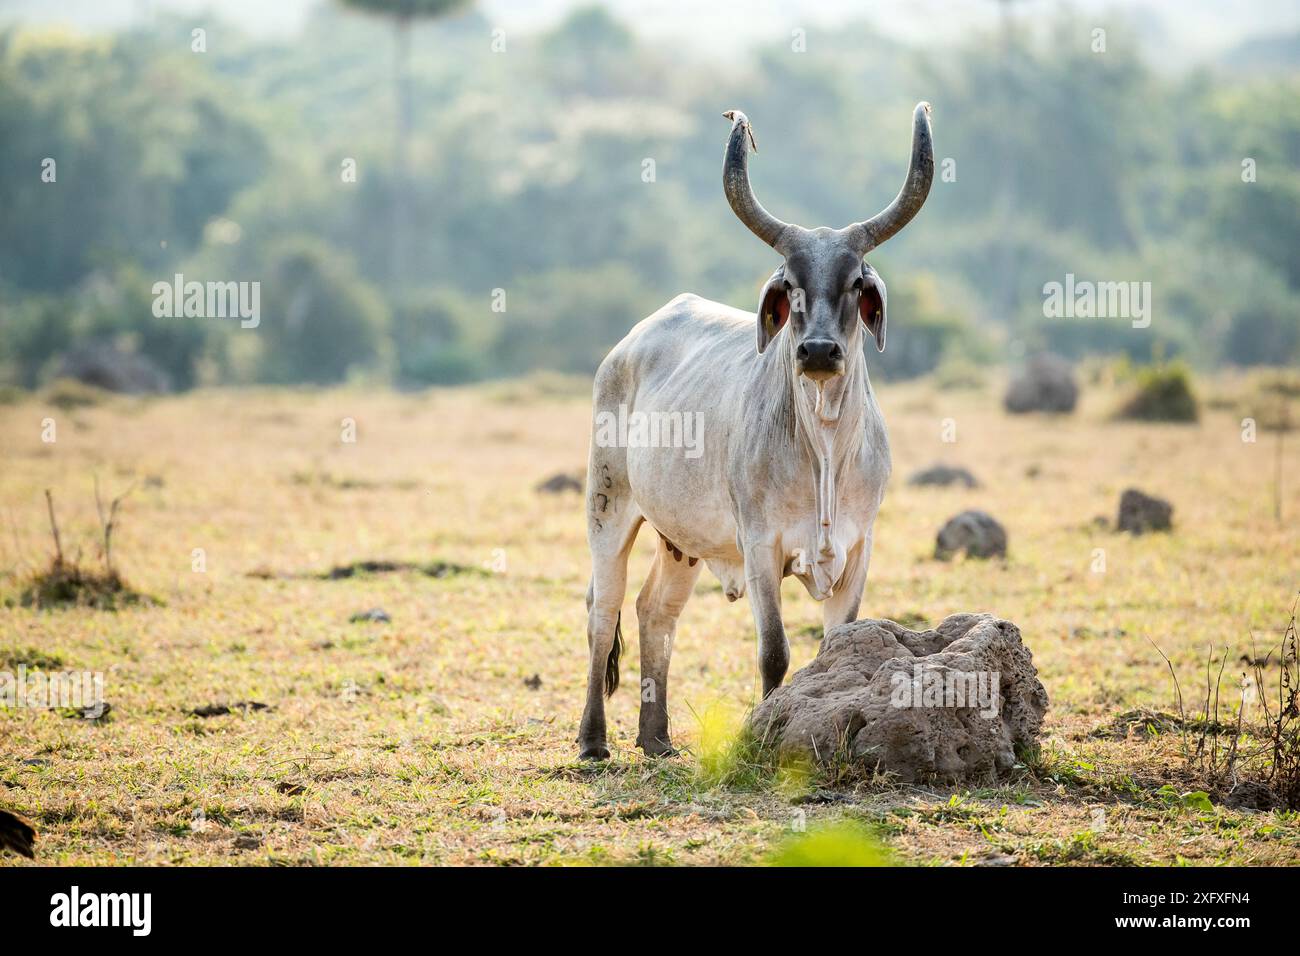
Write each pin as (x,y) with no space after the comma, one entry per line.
(419,740)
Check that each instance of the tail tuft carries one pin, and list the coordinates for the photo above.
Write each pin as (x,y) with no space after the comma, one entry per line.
(611,665)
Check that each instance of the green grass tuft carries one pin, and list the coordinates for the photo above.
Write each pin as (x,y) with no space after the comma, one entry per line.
(842,844)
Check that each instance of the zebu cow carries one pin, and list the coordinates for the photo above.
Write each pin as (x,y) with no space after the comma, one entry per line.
(794,456)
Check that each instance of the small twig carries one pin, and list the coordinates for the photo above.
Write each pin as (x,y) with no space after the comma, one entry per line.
(1282,426)
(1236,738)
(108,524)
(1259,667)
(54,527)
(1182,714)
(1214,756)
(99,506)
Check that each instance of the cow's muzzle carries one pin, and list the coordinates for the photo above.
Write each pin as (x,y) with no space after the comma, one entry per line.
(819,359)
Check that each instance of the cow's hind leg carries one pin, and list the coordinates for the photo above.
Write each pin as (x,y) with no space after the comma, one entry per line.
(612,523)
(665,593)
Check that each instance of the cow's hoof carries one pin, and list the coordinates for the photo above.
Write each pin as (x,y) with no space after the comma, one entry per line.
(597,751)
(658,747)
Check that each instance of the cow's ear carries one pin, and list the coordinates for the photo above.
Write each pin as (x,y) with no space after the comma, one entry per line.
(773,308)
(872,305)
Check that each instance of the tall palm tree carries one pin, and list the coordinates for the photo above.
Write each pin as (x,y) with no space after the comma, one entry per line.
(403,14)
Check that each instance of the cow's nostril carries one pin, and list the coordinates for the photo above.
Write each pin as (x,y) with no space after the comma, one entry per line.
(836,353)
(802,353)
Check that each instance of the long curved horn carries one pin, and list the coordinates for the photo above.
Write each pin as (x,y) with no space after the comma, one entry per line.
(735,183)
(871,233)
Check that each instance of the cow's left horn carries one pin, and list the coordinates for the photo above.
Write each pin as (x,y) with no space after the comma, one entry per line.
(867,235)
(735,183)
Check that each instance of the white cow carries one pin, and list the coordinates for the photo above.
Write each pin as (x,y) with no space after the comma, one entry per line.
(791,462)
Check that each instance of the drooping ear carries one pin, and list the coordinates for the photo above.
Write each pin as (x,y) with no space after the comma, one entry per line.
(872,305)
(773,308)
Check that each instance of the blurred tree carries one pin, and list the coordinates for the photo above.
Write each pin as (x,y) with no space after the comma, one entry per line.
(111,309)
(529,173)
(320,321)
(403,14)
(568,319)
(441,339)
(1074,128)
(591,54)
(112,148)
(925,327)
(35,328)
(1254,198)
(117,307)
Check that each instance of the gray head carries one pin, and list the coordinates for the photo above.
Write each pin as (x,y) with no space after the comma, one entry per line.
(824,288)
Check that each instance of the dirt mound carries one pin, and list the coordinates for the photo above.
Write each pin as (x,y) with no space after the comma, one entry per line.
(64,583)
(559,483)
(975,532)
(1162,394)
(943,476)
(104,366)
(1046,385)
(1139,513)
(951,704)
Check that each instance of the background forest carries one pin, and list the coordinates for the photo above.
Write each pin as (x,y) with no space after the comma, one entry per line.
(489,203)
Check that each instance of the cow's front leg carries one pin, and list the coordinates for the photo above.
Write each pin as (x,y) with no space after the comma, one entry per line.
(764,564)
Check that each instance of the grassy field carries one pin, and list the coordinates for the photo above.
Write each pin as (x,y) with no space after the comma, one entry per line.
(447,735)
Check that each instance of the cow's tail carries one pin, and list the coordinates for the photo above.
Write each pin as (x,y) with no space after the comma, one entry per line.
(611,665)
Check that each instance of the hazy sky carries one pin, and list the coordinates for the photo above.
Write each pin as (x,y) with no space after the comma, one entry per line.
(1188,29)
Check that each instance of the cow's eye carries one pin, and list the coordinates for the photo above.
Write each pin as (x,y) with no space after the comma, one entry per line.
(857,284)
